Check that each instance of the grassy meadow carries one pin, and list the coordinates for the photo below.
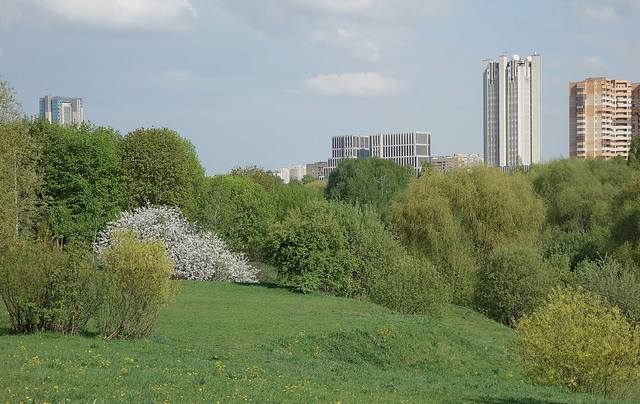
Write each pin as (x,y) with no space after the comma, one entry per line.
(237,343)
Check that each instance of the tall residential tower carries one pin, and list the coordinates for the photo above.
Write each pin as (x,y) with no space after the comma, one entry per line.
(600,119)
(62,110)
(512,111)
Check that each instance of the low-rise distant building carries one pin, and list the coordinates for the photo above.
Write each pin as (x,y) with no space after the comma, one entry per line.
(293,172)
(411,149)
(316,170)
(456,160)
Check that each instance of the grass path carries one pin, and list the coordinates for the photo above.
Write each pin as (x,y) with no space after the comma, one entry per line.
(235,343)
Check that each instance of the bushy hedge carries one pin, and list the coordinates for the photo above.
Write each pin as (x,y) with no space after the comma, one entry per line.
(347,251)
(575,340)
(46,289)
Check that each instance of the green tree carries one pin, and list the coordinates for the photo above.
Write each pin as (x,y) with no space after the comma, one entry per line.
(161,168)
(239,210)
(84,179)
(269,181)
(19,178)
(455,219)
(625,232)
(370,181)
(634,152)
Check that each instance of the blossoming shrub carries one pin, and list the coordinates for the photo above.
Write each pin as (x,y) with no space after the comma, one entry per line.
(577,341)
(136,285)
(197,254)
(46,288)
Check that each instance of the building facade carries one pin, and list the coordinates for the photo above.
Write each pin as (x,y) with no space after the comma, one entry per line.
(454,161)
(635,109)
(600,118)
(293,172)
(411,149)
(61,110)
(512,111)
(316,170)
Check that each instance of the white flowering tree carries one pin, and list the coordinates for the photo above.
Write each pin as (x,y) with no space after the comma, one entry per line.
(198,255)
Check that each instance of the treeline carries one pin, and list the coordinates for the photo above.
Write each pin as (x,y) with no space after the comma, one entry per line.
(557,246)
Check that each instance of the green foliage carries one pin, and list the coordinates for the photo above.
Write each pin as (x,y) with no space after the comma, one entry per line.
(20,180)
(578,342)
(370,181)
(269,181)
(294,196)
(161,168)
(83,178)
(384,272)
(626,221)
(456,219)
(311,252)
(10,109)
(513,281)
(238,210)
(617,283)
(137,285)
(44,288)
(634,152)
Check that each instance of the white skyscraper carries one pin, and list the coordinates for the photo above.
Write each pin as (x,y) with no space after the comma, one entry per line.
(512,111)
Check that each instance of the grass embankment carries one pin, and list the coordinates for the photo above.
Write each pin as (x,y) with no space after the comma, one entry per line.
(222,342)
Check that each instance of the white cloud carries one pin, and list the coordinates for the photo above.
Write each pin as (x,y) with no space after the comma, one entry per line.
(125,14)
(361,47)
(354,84)
(593,63)
(597,12)
(335,6)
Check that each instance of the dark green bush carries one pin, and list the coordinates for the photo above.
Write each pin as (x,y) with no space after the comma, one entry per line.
(311,252)
(617,283)
(513,281)
(45,288)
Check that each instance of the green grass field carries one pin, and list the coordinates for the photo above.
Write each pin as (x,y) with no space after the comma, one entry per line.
(234,343)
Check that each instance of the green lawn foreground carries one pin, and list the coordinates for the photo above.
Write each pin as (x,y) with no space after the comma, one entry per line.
(234,343)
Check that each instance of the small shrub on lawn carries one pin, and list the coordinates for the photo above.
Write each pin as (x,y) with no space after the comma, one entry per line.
(46,289)
(578,342)
(136,286)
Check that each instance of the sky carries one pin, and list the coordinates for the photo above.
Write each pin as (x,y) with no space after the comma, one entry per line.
(268,82)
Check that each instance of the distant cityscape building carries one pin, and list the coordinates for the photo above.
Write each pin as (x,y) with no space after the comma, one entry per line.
(411,149)
(316,170)
(512,111)
(62,110)
(294,172)
(635,109)
(457,160)
(600,119)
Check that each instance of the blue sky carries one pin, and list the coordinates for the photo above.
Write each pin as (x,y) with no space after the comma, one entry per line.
(268,82)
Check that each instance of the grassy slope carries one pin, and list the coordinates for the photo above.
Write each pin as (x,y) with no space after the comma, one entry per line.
(253,343)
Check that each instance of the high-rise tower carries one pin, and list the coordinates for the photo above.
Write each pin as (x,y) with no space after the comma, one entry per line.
(512,111)
(62,110)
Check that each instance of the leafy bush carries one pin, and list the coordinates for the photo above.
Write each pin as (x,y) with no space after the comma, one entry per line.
(576,341)
(513,281)
(617,283)
(44,288)
(238,210)
(384,272)
(198,255)
(137,284)
(311,252)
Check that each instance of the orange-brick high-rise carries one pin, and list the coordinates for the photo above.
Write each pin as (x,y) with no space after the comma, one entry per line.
(635,109)
(600,118)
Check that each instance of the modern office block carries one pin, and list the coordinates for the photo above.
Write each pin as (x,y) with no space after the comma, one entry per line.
(512,111)
(411,149)
(455,161)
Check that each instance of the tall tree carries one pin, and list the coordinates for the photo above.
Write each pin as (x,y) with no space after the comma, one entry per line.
(370,181)
(84,179)
(161,168)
